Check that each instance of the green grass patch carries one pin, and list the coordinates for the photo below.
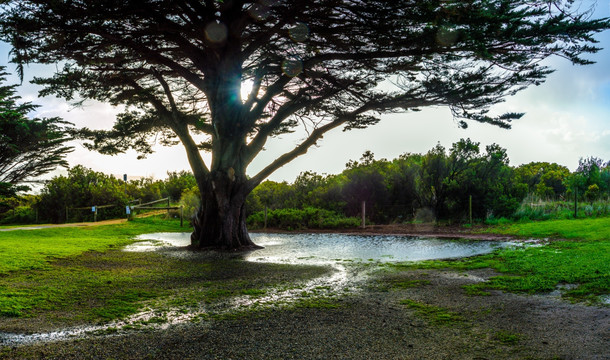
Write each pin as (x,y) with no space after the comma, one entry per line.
(597,229)
(436,315)
(33,249)
(507,337)
(583,261)
(92,281)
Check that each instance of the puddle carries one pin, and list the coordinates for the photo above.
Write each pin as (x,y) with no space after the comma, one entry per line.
(346,254)
(333,248)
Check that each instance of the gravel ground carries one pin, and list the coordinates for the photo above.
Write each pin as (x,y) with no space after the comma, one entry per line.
(371,324)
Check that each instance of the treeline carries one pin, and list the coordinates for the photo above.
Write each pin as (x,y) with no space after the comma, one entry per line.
(443,184)
(69,198)
(440,185)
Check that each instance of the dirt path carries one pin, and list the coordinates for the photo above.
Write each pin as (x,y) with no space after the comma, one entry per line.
(83,224)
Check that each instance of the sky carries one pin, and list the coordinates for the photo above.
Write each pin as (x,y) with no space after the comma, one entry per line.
(566,118)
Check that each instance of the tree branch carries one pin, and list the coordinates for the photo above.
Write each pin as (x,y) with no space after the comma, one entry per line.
(296,152)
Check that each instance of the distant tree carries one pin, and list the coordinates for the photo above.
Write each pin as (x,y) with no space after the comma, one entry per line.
(553,182)
(449,180)
(366,181)
(304,187)
(605,179)
(592,192)
(225,76)
(273,195)
(590,168)
(28,147)
(81,187)
(177,182)
(146,189)
(402,184)
(432,185)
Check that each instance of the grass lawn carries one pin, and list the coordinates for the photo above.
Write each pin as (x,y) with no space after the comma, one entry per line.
(577,259)
(33,249)
(68,276)
(597,229)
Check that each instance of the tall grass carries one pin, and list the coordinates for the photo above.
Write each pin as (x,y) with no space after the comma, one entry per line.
(536,208)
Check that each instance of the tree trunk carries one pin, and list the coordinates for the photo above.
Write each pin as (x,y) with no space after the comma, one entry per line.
(220,222)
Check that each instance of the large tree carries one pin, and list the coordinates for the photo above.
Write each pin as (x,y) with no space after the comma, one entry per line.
(180,68)
(29,147)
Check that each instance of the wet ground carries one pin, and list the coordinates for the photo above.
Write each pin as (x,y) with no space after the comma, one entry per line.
(364,318)
(347,255)
(370,324)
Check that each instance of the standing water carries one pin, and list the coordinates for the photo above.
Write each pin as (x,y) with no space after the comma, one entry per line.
(328,248)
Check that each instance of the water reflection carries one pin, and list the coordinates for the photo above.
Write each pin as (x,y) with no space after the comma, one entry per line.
(331,248)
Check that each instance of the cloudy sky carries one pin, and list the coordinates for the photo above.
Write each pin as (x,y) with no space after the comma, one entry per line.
(567,117)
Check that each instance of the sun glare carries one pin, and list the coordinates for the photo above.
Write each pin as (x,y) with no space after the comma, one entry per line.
(246,88)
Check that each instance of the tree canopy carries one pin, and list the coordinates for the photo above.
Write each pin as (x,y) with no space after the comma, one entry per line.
(225,76)
(28,147)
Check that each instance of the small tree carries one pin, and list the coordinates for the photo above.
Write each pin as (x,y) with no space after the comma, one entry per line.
(226,76)
(28,147)
(82,187)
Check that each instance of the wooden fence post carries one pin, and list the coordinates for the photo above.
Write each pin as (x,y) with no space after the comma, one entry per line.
(470,209)
(181,215)
(575,203)
(363,214)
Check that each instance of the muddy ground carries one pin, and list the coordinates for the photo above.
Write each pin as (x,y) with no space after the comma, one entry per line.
(372,322)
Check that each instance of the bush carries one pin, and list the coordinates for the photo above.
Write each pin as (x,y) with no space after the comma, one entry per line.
(307,218)
(190,200)
(19,215)
(539,209)
(497,221)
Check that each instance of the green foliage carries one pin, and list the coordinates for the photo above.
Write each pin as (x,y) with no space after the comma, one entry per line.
(190,200)
(272,195)
(437,185)
(178,182)
(19,215)
(309,217)
(81,189)
(535,208)
(543,178)
(28,147)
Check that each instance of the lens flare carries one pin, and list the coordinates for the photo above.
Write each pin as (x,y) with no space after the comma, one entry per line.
(299,32)
(216,32)
(446,37)
(292,67)
(259,12)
